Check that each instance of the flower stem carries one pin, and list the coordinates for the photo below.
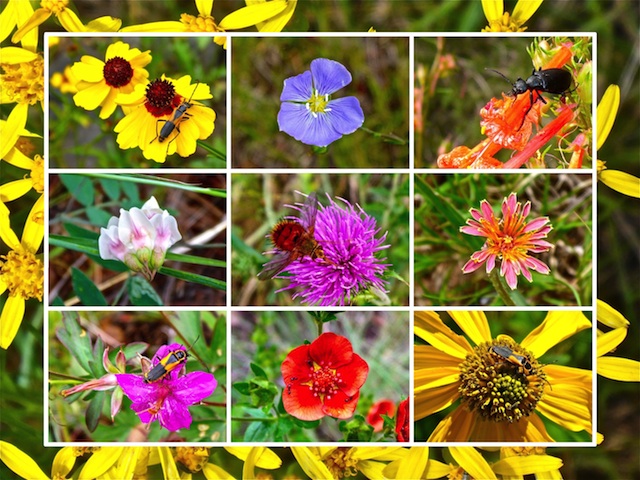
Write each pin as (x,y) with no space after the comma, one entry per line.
(499,285)
(386,137)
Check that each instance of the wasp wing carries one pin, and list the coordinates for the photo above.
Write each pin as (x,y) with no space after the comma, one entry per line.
(275,265)
(308,213)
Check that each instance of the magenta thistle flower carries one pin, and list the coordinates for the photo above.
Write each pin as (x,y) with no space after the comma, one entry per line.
(347,236)
(509,239)
(167,400)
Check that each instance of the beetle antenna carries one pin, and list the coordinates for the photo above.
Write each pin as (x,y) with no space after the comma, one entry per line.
(501,74)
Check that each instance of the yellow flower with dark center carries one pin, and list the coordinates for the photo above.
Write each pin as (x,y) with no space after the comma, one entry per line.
(164,105)
(105,84)
(21,271)
(501,387)
(501,21)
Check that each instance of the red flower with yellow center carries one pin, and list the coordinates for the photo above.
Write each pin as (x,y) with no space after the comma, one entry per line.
(323,378)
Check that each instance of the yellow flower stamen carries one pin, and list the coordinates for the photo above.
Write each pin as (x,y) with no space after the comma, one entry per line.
(193,458)
(341,464)
(37,174)
(54,6)
(318,103)
(497,387)
(23,82)
(201,23)
(23,274)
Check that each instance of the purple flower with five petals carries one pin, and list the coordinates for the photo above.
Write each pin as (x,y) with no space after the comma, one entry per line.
(309,115)
(167,400)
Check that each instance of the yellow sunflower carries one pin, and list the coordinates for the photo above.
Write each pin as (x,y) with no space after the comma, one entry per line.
(499,384)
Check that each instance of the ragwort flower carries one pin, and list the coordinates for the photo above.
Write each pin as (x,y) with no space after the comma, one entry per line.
(509,240)
(26,467)
(501,387)
(21,271)
(103,84)
(257,12)
(168,399)
(309,114)
(153,108)
(501,21)
(348,265)
(323,378)
(139,238)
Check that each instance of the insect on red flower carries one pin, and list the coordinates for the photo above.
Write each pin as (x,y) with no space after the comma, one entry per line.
(293,238)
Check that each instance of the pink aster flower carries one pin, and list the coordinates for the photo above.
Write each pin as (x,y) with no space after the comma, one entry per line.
(509,239)
(168,399)
(349,240)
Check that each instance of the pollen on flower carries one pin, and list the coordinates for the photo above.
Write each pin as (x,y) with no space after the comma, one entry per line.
(117,72)
(37,174)
(341,464)
(501,381)
(80,451)
(162,98)
(325,381)
(200,23)
(23,274)
(23,82)
(318,103)
(54,6)
(193,458)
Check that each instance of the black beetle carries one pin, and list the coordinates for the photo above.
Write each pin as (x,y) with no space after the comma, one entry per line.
(551,80)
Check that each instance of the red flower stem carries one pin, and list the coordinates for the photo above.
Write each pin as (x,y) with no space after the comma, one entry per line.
(565,116)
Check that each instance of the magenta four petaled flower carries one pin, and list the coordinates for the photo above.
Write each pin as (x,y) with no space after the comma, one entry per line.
(167,400)
(509,240)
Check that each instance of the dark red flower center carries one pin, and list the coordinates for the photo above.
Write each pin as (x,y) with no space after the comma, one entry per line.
(117,72)
(162,98)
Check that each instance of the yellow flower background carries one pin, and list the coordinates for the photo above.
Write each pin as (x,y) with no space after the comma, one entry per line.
(22,123)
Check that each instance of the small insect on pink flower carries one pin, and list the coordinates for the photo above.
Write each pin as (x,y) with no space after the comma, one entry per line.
(509,239)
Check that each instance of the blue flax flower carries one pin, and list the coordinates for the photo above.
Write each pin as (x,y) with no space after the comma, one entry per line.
(347,236)
(309,115)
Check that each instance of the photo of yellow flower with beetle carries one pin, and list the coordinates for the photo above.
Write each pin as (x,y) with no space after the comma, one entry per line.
(503,376)
(137,102)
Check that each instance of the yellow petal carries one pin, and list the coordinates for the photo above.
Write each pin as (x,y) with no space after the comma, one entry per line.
(12,127)
(493,10)
(278,22)
(526,465)
(248,16)
(90,98)
(267,459)
(568,406)
(169,467)
(455,427)
(311,463)
(524,10)
(12,190)
(11,318)
(607,342)
(100,462)
(606,113)
(7,235)
(204,7)
(104,24)
(472,462)
(435,400)
(169,26)
(213,472)
(37,19)
(621,182)
(474,324)
(622,369)
(556,327)
(20,463)
(70,21)
(33,232)
(63,462)
(414,464)
(429,327)
(610,316)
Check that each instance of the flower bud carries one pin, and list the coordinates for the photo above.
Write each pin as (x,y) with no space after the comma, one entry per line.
(139,238)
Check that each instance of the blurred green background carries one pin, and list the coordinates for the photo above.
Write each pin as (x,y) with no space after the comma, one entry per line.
(380,71)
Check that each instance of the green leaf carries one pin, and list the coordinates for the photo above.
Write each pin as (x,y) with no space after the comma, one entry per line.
(94,411)
(262,392)
(142,293)
(178,257)
(76,231)
(111,188)
(80,187)
(194,278)
(258,371)
(76,340)
(86,290)
(259,432)
(242,387)
(98,216)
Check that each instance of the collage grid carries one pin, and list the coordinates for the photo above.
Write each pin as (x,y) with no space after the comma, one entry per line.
(240,177)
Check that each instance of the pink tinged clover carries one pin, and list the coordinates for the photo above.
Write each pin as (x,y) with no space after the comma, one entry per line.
(167,400)
(309,114)
(139,238)
(509,240)
(351,241)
